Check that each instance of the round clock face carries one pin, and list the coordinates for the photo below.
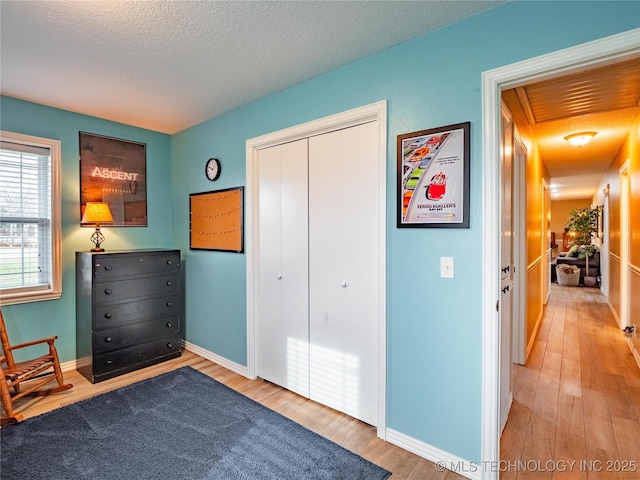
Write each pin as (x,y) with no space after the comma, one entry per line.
(213,169)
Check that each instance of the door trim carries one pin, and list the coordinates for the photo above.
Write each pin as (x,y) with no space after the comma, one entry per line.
(375,112)
(520,156)
(625,197)
(600,52)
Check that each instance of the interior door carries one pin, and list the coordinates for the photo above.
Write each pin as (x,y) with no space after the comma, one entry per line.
(282,328)
(506,264)
(343,270)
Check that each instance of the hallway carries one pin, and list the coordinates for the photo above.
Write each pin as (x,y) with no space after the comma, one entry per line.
(577,399)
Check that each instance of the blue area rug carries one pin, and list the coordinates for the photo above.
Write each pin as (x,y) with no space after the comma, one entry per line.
(179,425)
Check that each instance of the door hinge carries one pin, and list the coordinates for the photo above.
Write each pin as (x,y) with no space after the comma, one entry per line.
(497,305)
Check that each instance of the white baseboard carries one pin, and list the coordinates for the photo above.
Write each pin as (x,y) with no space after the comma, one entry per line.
(68,366)
(223,362)
(442,460)
(215,358)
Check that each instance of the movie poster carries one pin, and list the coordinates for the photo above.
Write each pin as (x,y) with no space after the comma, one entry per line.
(114,171)
(433,177)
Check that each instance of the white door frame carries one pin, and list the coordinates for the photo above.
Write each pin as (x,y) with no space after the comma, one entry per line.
(374,112)
(605,277)
(601,52)
(519,344)
(624,245)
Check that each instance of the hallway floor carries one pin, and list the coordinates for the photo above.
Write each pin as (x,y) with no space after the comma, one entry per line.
(576,405)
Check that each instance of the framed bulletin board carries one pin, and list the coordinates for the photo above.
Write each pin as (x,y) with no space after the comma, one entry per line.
(216,220)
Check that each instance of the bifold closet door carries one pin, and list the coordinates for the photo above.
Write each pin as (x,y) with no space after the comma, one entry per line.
(282,311)
(343,270)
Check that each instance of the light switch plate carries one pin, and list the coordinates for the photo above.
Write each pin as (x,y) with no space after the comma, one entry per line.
(446,267)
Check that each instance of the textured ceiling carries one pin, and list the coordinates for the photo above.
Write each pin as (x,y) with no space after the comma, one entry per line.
(168,65)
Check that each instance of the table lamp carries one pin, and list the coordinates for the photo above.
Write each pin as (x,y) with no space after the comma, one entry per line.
(97,213)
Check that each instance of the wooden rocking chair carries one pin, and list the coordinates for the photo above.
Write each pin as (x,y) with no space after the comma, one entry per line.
(37,372)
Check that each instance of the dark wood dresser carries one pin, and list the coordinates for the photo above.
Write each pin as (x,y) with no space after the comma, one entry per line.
(129,310)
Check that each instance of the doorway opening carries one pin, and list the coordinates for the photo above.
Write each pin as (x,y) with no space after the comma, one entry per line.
(602,52)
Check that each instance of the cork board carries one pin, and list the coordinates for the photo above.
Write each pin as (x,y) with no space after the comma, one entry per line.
(216,220)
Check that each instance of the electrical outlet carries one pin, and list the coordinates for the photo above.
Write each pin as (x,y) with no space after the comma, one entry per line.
(446,267)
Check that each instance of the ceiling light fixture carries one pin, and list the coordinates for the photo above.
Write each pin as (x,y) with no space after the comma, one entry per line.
(579,139)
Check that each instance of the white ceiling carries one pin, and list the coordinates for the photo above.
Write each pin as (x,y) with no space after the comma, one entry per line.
(168,65)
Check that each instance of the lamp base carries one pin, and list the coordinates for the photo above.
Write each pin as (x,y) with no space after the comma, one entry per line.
(97,238)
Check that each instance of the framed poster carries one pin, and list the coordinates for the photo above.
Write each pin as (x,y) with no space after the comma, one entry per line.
(216,220)
(114,171)
(433,178)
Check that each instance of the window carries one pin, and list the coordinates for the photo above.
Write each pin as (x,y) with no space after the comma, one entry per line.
(30,264)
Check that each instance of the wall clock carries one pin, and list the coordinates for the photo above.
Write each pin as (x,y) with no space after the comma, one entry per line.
(212,169)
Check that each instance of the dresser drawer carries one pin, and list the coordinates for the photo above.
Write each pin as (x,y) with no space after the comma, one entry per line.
(111,266)
(117,290)
(110,315)
(128,358)
(119,337)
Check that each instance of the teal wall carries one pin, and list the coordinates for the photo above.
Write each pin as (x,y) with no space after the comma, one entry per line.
(434,325)
(57,317)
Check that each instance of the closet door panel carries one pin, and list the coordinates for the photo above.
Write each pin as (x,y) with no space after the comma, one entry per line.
(360,219)
(282,309)
(343,259)
(328,376)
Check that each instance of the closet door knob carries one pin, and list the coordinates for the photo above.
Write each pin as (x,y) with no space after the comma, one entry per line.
(279,276)
(343,284)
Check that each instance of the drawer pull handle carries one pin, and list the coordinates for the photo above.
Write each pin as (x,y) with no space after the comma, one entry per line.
(107,339)
(107,291)
(107,268)
(108,363)
(169,324)
(107,315)
(169,283)
(169,345)
(169,262)
(169,304)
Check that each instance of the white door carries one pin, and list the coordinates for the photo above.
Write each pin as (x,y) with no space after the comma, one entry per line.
(506,264)
(282,329)
(343,270)
(317,310)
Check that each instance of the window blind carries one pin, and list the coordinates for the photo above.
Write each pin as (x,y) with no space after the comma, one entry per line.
(25,217)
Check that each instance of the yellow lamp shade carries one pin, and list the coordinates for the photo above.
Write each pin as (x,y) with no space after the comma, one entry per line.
(97,213)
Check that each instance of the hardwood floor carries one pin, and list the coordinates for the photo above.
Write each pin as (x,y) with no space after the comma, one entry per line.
(337,427)
(577,399)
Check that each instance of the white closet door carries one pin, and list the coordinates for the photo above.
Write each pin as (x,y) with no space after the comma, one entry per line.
(343,270)
(282,335)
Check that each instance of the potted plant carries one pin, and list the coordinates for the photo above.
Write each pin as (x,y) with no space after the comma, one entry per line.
(583,225)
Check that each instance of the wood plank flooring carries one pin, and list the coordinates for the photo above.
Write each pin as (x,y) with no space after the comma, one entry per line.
(577,399)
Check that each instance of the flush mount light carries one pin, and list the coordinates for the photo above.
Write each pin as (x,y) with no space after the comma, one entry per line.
(579,139)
